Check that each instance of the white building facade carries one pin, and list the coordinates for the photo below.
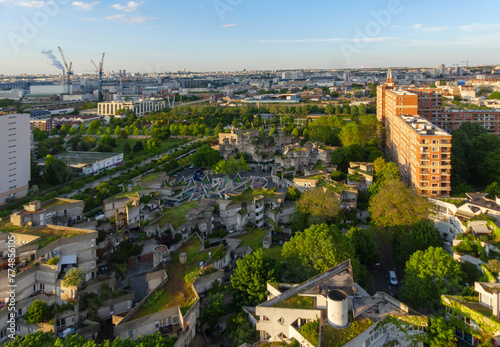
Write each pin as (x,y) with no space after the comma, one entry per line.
(14,156)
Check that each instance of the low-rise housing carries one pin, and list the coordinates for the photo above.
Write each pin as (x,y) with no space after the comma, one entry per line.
(55,211)
(336,302)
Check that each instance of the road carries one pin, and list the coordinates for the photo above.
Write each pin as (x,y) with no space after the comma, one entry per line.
(380,273)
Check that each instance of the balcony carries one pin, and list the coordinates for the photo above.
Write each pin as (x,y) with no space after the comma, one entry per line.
(259,208)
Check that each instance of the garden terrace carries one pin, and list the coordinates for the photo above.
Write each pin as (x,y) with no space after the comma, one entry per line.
(49,235)
(249,194)
(176,291)
(130,193)
(150,178)
(298,302)
(334,337)
(55,202)
(176,216)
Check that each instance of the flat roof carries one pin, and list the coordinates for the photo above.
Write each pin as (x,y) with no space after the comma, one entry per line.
(75,158)
(423,126)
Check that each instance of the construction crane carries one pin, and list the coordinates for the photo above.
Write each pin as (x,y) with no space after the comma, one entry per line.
(69,69)
(99,70)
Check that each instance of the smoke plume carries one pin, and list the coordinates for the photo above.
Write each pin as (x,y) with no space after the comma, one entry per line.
(52,59)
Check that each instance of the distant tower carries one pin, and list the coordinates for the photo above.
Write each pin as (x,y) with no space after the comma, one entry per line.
(389,76)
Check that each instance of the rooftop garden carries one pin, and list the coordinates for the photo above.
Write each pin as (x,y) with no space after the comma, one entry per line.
(49,235)
(176,215)
(150,178)
(249,194)
(130,193)
(318,166)
(471,308)
(254,240)
(456,202)
(298,302)
(176,291)
(311,332)
(53,202)
(335,337)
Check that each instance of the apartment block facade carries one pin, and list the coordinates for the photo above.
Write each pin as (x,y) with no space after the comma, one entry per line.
(140,107)
(421,149)
(15,155)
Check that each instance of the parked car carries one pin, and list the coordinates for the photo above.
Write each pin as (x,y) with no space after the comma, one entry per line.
(393,280)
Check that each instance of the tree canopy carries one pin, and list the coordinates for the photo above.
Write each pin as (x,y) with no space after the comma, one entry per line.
(205,156)
(251,276)
(231,166)
(74,277)
(319,203)
(428,275)
(397,205)
(315,250)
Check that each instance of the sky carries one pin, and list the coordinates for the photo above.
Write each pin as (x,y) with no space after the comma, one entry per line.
(232,35)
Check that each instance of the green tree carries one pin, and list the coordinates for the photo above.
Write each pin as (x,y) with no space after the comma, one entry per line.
(494,95)
(315,250)
(344,155)
(138,147)
(57,172)
(231,166)
(241,331)
(74,277)
(319,203)
(213,311)
(293,194)
(418,237)
(441,333)
(397,205)
(428,275)
(205,156)
(117,130)
(296,132)
(251,276)
(37,313)
(364,246)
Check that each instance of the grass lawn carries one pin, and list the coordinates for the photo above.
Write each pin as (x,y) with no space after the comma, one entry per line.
(176,215)
(318,166)
(338,337)
(275,253)
(52,203)
(249,194)
(254,240)
(49,235)
(296,301)
(176,291)
(134,190)
(150,178)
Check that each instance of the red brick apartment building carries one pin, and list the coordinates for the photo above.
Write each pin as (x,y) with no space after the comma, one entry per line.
(421,149)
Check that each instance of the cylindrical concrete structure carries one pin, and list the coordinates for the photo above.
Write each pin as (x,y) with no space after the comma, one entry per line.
(338,309)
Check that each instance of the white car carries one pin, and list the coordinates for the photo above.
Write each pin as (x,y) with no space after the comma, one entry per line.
(99,216)
(393,280)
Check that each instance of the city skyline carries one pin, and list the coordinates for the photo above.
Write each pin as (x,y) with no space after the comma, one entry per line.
(231,35)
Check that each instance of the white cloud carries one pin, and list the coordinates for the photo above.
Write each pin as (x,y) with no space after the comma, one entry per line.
(34,4)
(84,6)
(229,25)
(428,28)
(129,19)
(129,7)
(479,27)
